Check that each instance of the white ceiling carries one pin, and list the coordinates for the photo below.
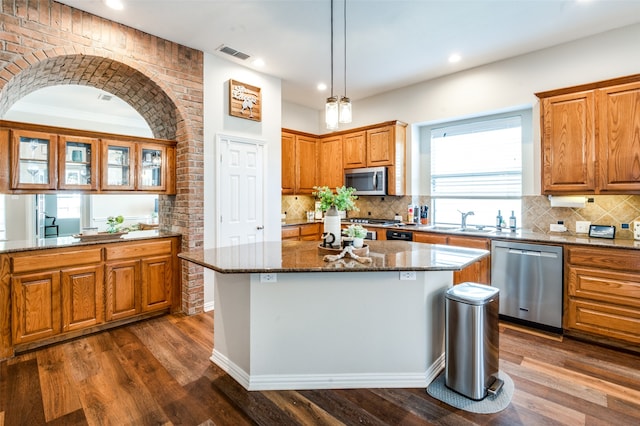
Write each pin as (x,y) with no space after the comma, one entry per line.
(390,43)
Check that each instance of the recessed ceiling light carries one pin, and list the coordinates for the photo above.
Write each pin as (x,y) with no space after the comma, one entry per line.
(322,87)
(114,4)
(455,57)
(258,63)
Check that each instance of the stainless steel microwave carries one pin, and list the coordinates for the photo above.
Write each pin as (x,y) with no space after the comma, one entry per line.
(367,181)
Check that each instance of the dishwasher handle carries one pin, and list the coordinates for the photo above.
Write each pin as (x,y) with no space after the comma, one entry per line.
(533,253)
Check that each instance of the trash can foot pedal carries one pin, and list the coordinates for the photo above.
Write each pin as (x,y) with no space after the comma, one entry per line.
(495,387)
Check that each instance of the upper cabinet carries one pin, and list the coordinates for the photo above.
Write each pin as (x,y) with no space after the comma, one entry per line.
(309,161)
(43,159)
(299,169)
(33,156)
(591,138)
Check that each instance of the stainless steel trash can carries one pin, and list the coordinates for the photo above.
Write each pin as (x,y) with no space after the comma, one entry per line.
(472,339)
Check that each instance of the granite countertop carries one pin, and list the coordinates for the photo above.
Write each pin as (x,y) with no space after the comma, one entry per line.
(51,243)
(304,256)
(520,235)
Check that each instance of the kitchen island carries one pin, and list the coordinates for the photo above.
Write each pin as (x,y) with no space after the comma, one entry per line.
(286,319)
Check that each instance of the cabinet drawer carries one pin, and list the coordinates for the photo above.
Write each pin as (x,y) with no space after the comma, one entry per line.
(290,232)
(613,287)
(312,229)
(423,237)
(604,320)
(56,260)
(622,260)
(138,250)
(477,243)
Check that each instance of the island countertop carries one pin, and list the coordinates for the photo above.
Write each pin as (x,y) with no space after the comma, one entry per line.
(304,256)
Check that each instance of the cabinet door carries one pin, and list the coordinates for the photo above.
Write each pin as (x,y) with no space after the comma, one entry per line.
(152,168)
(423,237)
(310,232)
(123,282)
(291,233)
(380,147)
(331,170)
(157,283)
(35,306)
(78,163)
(354,150)
(33,160)
(568,143)
(82,297)
(619,138)
(306,156)
(478,272)
(118,165)
(288,163)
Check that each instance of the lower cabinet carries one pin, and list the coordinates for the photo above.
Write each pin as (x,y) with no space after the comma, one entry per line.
(306,232)
(478,272)
(66,290)
(603,293)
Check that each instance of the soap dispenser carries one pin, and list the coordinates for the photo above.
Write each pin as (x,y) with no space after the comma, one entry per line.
(512,222)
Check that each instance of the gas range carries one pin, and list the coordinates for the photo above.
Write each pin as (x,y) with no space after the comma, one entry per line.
(374,221)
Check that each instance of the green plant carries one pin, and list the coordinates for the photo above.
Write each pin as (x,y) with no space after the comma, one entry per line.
(355,231)
(114,223)
(342,199)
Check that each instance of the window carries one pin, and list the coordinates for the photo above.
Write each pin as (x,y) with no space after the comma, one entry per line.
(476,165)
(69,206)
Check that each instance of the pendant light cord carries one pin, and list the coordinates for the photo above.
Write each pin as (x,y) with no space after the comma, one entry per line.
(345,48)
(331,48)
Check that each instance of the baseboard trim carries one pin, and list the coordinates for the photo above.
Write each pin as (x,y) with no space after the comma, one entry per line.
(328,381)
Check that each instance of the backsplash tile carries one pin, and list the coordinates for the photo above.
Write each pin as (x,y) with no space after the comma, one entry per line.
(537,213)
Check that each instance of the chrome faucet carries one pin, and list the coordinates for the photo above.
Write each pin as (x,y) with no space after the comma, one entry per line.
(464,218)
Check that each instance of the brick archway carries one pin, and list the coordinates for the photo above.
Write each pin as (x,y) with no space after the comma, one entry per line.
(117,78)
(155,102)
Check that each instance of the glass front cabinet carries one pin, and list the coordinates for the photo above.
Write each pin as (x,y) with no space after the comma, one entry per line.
(118,167)
(33,157)
(78,163)
(152,165)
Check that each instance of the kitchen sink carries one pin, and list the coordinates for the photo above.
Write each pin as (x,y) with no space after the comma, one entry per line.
(474,230)
(442,228)
(465,230)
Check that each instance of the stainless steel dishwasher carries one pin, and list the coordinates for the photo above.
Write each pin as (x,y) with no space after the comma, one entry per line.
(529,277)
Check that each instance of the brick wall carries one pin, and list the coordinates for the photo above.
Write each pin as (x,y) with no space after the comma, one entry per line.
(45,43)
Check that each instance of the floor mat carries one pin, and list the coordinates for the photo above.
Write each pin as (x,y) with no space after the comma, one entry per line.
(490,404)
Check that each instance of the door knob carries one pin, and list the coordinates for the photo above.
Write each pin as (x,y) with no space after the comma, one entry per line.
(259,227)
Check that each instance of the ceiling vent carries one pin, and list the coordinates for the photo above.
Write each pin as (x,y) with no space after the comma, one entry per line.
(233,52)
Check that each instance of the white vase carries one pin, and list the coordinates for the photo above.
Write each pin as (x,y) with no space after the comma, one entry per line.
(332,226)
(358,242)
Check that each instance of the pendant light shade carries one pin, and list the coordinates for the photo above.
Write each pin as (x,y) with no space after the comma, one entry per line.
(344,110)
(331,113)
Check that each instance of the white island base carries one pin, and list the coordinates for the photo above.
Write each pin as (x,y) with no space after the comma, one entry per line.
(321,330)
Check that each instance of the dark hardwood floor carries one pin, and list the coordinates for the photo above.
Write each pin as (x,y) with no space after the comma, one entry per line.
(158,372)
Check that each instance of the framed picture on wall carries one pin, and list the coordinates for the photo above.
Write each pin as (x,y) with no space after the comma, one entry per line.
(245,101)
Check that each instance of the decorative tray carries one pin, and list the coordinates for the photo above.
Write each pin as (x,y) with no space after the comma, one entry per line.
(100,236)
(363,251)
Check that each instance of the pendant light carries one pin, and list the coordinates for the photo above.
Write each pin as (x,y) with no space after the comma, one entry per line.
(344,106)
(331,107)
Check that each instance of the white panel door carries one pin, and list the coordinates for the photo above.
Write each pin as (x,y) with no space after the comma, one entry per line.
(240,191)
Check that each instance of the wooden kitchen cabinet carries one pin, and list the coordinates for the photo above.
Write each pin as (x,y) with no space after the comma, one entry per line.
(603,293)
(45,159)
(619,138)
(330,167)
(78,163)
(54,291)
(381,146)
(568,143)
(139,278)
(478,272)
(590,138)
(299,163)
(306,232)
(354,150)
(33,160)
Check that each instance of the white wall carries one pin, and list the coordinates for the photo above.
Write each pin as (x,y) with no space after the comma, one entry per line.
(500,86)
(217,73)
(304,119)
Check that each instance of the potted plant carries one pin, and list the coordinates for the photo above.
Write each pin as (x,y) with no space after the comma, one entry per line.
(114,223)
(357,233)
(343,199)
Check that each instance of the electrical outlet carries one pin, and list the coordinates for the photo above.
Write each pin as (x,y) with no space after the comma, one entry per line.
(582,226)
(268,278)
(554,227)
(407,276)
